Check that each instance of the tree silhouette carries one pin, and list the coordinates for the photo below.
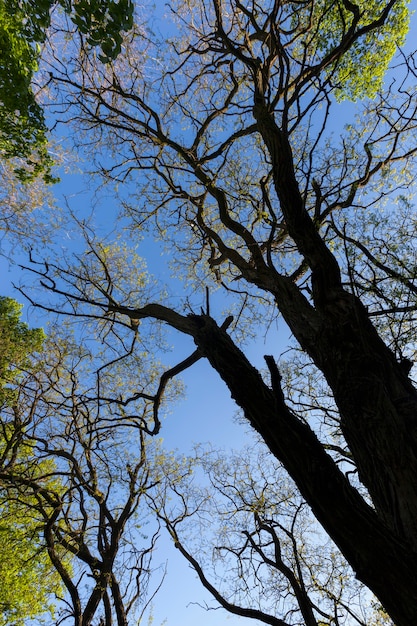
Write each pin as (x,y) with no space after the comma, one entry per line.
(226,137)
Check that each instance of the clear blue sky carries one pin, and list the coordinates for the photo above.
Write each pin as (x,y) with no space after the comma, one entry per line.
(206,415)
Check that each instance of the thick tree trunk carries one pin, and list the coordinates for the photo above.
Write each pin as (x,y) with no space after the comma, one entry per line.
(381,558)
(378,409)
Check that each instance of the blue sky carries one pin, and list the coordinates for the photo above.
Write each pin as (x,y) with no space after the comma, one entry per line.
(206,414)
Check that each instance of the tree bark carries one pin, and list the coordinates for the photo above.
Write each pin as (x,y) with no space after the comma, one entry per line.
(375,398)
(381,559)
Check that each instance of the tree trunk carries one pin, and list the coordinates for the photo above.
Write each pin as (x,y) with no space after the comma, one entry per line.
(382,559)
(375,398)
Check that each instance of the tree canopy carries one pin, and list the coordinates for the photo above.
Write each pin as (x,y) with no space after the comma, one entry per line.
(23,30)
(72,485)
(18,343)
(24,560)
(222,136)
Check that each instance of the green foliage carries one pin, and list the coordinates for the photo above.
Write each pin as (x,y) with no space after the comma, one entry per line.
(25,562)
(27,579)
(103,22)
(22,124)
(23,27)
(18,343)
(233,171)
(360,71)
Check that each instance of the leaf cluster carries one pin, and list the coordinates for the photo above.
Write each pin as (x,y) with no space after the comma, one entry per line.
(17,347)
(23,30)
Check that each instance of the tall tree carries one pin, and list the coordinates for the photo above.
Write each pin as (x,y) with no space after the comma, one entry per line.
(227,134)
(73,481)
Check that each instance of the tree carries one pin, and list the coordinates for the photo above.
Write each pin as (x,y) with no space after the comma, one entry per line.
(72,485)
(23,29)
(233,155)
(262,556)
(24,561)
(18,343)
(29,213)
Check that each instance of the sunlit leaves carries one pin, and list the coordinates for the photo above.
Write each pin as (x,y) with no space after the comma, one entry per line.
(25,560)
(230,150)
(358,73)
(18,342)
(22,123)
(28,582)
(23,28)
(72,453)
